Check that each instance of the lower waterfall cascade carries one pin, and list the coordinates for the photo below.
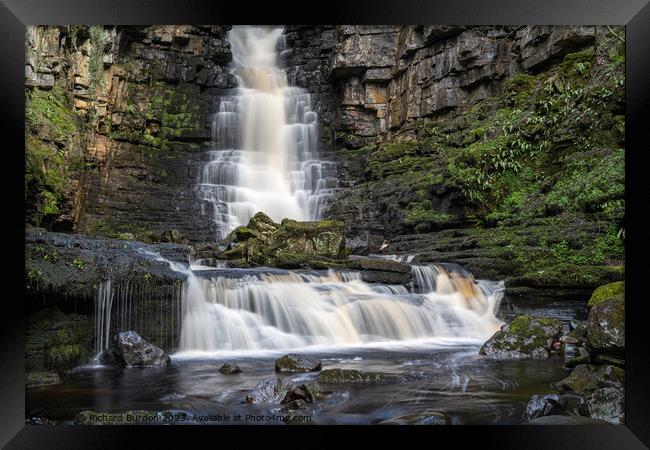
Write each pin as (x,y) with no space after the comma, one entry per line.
(240,310)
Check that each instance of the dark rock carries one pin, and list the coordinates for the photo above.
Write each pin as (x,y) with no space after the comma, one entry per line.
(297,363)
(173,236)
(524,337)
(55,341)
(607,404)
(585,379)
(552,404)
(352,376)
(230,369)
(606,327)
(269,390)
(136,352)
(385,265)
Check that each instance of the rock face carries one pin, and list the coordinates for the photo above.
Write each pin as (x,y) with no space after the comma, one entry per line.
(297,363)
(136,352)
(55,342)
(525,337)
(290,244)
(135,102)
(352,376)
(552,404)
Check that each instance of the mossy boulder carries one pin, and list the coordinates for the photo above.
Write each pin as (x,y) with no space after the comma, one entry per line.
(290,244)
(56,341)
(297,363)
(606,327)
(525,337)
(353,376)
(607,291)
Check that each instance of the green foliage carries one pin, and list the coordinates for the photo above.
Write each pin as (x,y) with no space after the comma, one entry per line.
(423,218)
(51,112)
(78,263)
(98,40)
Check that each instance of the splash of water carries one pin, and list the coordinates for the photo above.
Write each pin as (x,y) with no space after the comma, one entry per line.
(266,139)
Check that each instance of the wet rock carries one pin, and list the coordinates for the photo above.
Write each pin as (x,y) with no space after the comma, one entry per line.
(137,352)
(552,404)
(384,271)
(230,369)
(352,376)
(419,418)
(606,326)
(290,244)
(269,390)
(524,337)
(565,420)
(297,363)
(40,421)
(173,236)
(603,390)
(56,341)
(607,404)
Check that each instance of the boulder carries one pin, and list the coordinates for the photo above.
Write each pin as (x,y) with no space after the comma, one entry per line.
(269,390)
(419,418)
(603,390)
(552,404)
(297,363)
(606,324)
(606,291)
(525,337)
(352,376)
(137,352)
(34,379)
(290,244)
(230,369)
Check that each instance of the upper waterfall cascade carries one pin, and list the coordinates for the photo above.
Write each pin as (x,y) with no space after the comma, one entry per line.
(265,141)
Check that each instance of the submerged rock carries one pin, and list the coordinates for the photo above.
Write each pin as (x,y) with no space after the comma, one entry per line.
(524,337)
(137,352)
(297,363)
(344,376)
(230,369)
(419,418)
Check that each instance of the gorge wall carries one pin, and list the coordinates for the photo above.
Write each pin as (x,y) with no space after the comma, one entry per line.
(496,147)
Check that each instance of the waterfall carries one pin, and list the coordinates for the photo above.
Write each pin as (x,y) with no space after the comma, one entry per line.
(265,139)
(283,311)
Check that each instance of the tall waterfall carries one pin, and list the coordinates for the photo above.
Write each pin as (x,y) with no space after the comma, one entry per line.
(262,311)
(265,138)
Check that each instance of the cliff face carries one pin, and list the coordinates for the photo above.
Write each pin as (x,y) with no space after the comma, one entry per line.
(115,119)
(497,147)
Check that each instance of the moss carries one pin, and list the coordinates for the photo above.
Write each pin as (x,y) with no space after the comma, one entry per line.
(607,291)
(51,109)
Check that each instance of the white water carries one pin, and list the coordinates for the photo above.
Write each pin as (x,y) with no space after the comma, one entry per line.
(266,139)
(294,311)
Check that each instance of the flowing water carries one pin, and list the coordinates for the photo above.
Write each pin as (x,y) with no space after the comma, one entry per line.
(265,158)
(265,138)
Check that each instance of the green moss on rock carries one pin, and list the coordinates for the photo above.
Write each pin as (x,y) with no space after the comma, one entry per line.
(607,291)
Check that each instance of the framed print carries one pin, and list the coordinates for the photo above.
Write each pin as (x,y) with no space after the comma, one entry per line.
(235,220)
